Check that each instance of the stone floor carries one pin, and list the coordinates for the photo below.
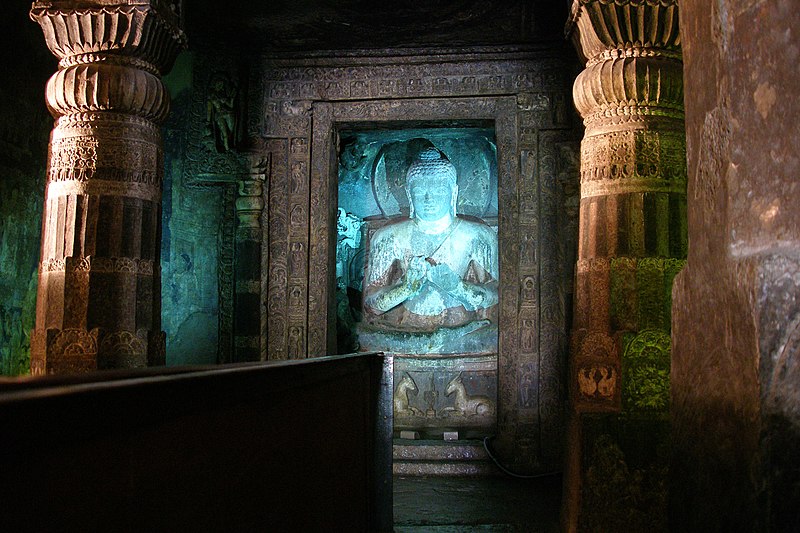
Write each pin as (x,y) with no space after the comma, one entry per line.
(476,504)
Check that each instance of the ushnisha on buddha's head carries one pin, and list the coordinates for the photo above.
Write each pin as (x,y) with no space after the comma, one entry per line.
(431,187)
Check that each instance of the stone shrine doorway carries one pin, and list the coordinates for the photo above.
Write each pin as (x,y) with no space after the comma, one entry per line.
(445,374)
(314,116)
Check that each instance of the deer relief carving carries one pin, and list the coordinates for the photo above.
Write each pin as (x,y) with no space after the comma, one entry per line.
(400,398)
(466,405)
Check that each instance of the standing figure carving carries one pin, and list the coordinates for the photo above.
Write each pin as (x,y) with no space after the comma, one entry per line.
(431,279)
(221,111)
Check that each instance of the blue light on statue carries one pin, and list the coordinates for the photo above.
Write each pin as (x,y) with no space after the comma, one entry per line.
(422,276)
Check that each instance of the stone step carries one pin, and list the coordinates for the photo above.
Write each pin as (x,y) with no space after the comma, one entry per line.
(438,450)
(441,458)
(457,528)
(441,468)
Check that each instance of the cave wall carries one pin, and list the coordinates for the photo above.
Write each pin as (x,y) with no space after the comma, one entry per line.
(735,400)
(24,131)
(191,218)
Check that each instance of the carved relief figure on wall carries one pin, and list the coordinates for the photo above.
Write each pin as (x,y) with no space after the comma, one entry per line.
(431,278)
(221,111)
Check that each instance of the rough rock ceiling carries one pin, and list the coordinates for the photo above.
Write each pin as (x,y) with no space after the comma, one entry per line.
(352,24)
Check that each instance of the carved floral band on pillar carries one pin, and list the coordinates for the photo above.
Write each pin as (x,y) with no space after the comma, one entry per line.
(633,185)
(99,296)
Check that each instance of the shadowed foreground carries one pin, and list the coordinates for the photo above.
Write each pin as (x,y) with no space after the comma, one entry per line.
(456,504)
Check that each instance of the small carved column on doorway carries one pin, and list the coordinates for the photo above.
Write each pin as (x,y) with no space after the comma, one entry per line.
(632,235)
(99,295)
(249,208)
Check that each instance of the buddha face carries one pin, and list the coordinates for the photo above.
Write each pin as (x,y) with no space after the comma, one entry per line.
(432,199)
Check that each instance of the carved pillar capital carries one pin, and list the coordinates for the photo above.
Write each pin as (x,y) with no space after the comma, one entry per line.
(111,55)
(610,29)
(249,205)
(250,201)
(99,280)
(633,62)
(142,33)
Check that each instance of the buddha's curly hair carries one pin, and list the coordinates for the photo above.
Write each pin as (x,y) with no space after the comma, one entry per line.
(431,162)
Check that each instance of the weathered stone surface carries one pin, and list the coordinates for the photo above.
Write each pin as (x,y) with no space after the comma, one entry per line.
(735,423)
(189,247)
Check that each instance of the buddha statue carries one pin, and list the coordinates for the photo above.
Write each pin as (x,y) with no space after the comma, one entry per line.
(431,279)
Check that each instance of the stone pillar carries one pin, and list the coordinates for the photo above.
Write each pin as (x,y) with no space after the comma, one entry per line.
(735,398)
(247,313)
(632,235)
(99,295)
(631,244)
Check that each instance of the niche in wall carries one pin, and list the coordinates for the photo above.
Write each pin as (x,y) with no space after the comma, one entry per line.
(445,347)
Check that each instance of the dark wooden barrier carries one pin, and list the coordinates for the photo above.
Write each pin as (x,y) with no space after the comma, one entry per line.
(292,446)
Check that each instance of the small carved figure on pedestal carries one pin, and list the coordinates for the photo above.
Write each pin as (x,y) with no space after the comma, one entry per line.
(430,398)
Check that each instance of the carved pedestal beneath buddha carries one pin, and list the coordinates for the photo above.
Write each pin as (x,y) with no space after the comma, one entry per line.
(433,395)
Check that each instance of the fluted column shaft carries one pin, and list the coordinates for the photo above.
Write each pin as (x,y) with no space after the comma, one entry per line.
(632,236)
(99,296)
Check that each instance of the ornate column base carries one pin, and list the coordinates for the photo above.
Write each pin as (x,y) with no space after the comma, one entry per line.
(76,350)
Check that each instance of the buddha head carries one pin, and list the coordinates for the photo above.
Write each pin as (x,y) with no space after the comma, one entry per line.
(431,186)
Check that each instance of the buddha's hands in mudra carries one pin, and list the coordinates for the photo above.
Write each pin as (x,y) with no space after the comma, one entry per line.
(469,294)
(422,271)
(443,277)
(416,276)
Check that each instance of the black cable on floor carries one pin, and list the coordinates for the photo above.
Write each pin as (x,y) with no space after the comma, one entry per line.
(509,472)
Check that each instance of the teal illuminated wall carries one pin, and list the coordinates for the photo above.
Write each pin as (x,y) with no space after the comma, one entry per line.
(190,241)
(24,128)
